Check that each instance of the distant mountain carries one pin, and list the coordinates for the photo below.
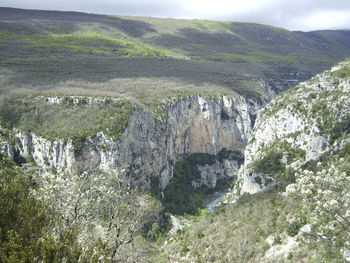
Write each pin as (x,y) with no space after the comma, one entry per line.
(47,49)
(116,122)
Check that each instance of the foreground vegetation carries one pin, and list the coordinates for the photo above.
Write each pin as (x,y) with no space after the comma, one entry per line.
(59,218)
(146,62)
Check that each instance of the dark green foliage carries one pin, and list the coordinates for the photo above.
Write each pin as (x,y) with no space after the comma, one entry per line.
(324,160)
(340,129)
(270,164)
(312,165)
(180,196)
(155,232)
(9,113)
(155,187)
(78,142)
(258,180)
(199,159)
(222,184)
(224,116)
(18,158)
(225,154)
(25,223)
(294,226)
(22,218)
(295,154)
(17,206)
(159,228)
(345,151)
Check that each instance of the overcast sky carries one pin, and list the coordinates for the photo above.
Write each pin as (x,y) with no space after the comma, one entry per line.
(291,14)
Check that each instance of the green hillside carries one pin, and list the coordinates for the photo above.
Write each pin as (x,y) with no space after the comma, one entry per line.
(83,54)
(70,76)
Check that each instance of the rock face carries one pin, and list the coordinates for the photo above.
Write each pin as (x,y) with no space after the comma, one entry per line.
(210,174)
(57,154)
(149,148)
(299,125)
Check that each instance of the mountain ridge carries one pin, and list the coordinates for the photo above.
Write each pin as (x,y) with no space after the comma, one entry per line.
(43,51)
(116,122)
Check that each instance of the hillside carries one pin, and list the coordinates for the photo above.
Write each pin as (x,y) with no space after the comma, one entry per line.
(118,133)
(297,167)
(85,54)
(298,127)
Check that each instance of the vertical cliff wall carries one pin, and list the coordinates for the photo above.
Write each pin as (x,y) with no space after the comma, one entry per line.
(296,127)
(148,148)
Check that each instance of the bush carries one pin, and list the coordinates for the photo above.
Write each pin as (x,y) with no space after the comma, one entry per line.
(22,218)
(339,129)
(155,232)
(180,196)
(270,164)
(294,226)
(200,159)
(225,154)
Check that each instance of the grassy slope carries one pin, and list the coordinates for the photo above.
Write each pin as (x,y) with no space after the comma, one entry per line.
(65,120)
(147,60)
(43,50)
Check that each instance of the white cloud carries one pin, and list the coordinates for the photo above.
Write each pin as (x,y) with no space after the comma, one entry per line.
(224,7)
(322,20)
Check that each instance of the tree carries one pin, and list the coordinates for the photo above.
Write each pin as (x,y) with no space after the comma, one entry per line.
(324,197)
(98,208)
(23,219)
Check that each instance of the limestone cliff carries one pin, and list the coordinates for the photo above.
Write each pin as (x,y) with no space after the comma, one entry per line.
(149,148)
(299,125)
(211,174)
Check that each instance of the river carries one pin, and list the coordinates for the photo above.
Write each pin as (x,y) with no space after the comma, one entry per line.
(213,200)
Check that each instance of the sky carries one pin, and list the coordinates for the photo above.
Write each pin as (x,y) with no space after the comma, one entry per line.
(304,15)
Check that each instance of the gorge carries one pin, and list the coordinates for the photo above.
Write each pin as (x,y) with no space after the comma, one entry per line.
(113,128)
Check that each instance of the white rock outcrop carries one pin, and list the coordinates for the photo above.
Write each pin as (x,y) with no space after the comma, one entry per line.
(305,118)
(149,148)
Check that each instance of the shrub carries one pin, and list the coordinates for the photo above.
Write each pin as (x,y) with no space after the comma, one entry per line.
(19,238)
(155,232)
(180,196)
(270,164)
(230,155)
